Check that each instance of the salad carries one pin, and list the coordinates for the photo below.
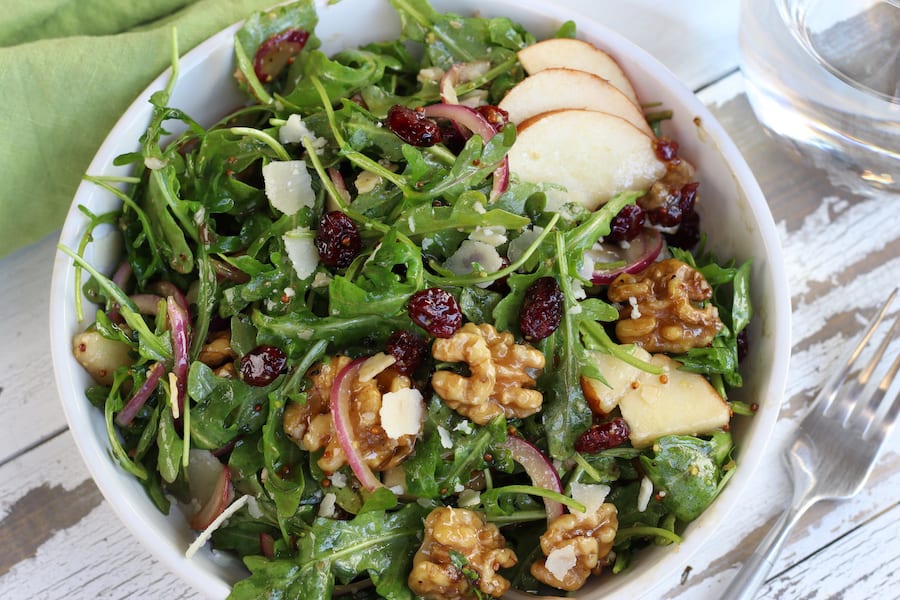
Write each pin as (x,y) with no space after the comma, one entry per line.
(406,325)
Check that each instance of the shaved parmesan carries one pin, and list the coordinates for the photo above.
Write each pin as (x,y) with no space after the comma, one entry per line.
(299,243)
(518,246)
(644,494)
(561,561)
(446,440)
(402,412)
(207,533)
(326,507)
(471,253)
(294,130)
(374,366)
(591,495)
(469,498)
(288,186)
(492,236)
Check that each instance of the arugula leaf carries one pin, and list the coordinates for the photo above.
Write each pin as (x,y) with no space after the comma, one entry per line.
(225,408)
(687,468)
(380,544)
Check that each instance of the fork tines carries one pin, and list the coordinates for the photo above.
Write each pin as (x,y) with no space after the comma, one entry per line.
(860,403)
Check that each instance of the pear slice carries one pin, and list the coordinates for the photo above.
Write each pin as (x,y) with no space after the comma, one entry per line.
(618,374)
(558,88)
(593,155)
(675,403)
(575,54)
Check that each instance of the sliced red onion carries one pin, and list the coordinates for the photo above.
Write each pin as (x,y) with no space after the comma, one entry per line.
(539,468)
(460,73)
(225,271)
(133,406)
(178,325)
(267,545)
(639,253)
(340,413)
(477,124)
(340,184)
(218,498)
(122,275)
(147,304)
(167,288)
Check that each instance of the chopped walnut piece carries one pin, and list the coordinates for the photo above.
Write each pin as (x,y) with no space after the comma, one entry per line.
(575,546)
(311,427)
(480,547)
(663,308)
(499,380)
(679,173)
(217,351)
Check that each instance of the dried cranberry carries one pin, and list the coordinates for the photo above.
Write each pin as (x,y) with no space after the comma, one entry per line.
(453,139)
(408,348)
(666,149)
(626,225)
(262,365)
(412,126)
(688,234)
(337,239)
(277,52)
(603,436)
(494,115)
(436,311)
(542,309)
(677,205)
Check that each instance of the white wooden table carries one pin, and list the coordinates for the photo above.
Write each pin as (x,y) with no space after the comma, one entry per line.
(60,539)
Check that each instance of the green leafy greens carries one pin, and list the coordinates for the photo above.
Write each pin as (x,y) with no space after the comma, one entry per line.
(200,229)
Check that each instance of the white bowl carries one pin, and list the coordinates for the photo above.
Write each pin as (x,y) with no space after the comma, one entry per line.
(731,199)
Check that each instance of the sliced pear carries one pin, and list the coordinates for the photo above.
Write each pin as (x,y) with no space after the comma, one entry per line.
(676,403)
(100,356)
(619,375)
(558,88)
(575,54)
(593,155)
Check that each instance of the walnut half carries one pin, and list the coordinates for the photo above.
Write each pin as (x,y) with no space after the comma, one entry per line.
(664,308)
(478,545)
(576,545)
(311,427)
(499,380)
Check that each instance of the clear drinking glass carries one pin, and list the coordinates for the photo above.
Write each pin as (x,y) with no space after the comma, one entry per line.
(825,76)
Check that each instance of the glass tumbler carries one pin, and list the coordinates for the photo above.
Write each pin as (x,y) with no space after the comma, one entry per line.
(824,75)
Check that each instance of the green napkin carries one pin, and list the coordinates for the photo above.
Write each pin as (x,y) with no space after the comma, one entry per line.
(68,70)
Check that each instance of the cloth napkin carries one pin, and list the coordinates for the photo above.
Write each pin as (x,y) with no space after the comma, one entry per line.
(68,70)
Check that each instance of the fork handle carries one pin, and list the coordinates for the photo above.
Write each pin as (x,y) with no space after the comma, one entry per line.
(757,567)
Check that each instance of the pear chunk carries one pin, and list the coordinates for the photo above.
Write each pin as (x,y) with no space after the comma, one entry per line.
(575,54)
(619,375)
(558,88)
(593,155)
(675,403)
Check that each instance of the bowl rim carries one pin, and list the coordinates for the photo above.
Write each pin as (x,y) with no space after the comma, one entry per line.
(107,474)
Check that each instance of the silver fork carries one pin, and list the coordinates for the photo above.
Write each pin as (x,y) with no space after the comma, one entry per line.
(834,448)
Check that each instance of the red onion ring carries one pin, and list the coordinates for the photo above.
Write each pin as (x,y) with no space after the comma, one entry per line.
(477,124)
(178,325)
(539,468)
(221,496)
(133,406)
(147,304)
(167,288)
(641,251)
(340,413)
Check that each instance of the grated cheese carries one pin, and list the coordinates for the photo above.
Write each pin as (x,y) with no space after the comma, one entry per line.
(207,533)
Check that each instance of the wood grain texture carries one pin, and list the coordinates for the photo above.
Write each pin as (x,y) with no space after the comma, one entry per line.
(27,394)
